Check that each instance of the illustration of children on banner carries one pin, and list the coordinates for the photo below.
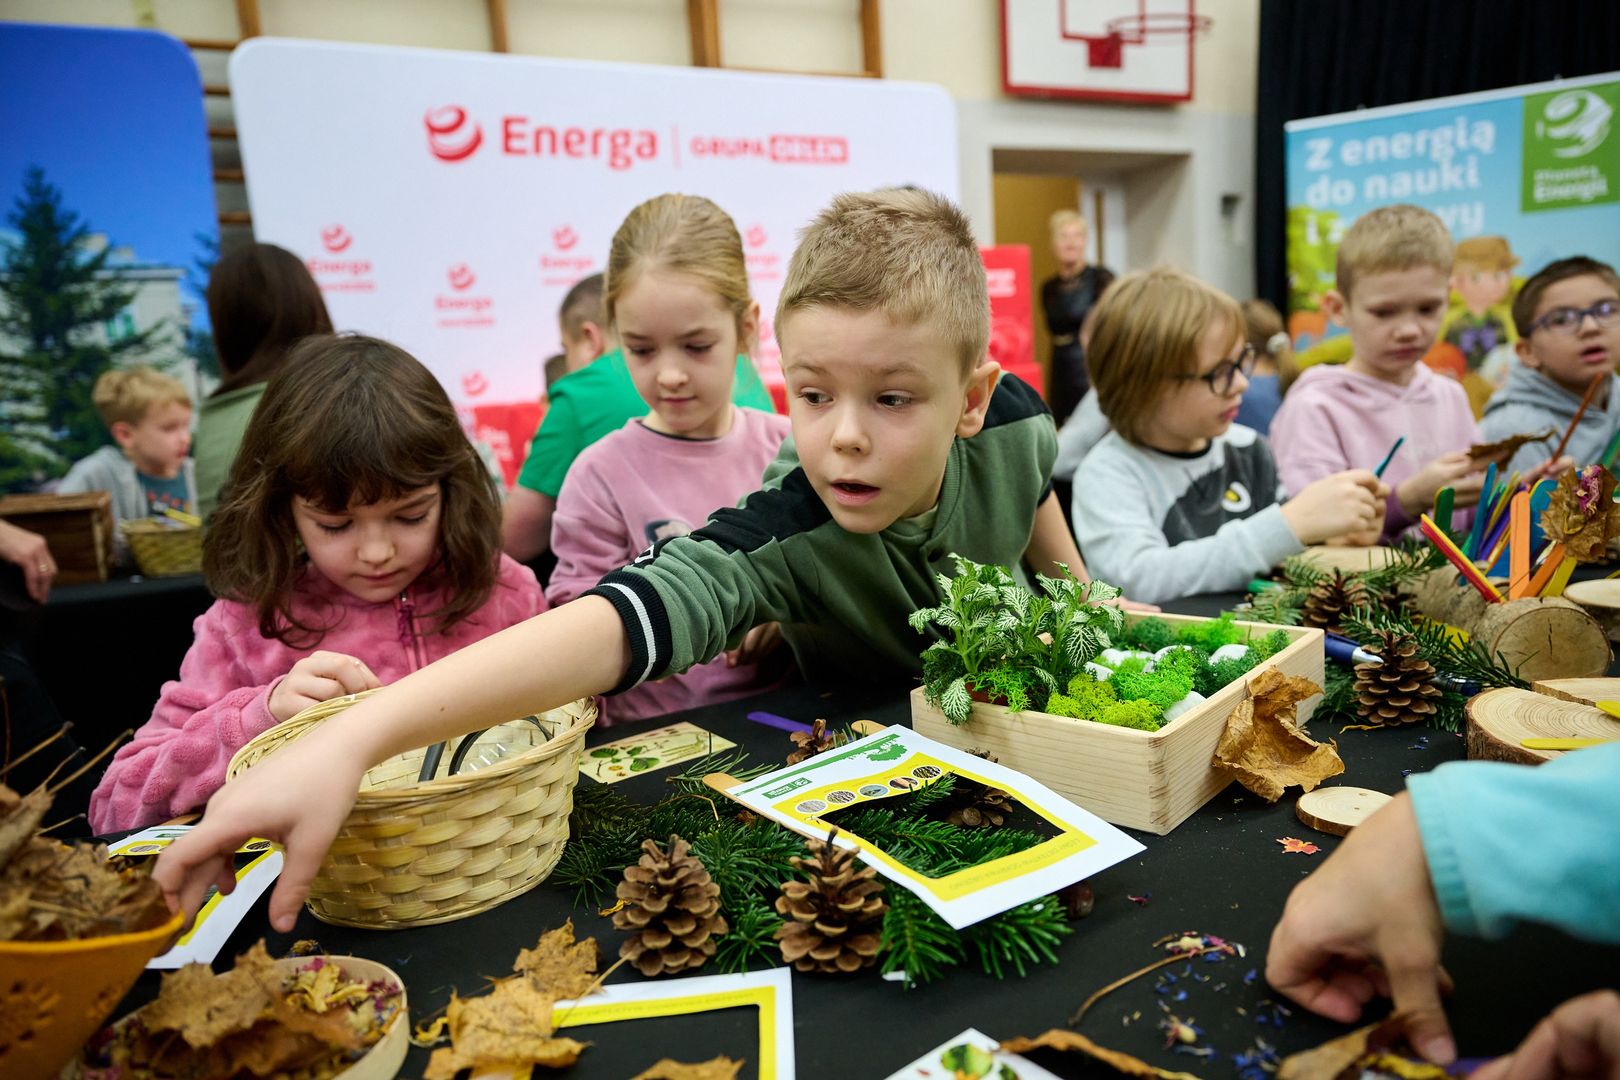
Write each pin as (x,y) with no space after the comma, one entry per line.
(1477,336)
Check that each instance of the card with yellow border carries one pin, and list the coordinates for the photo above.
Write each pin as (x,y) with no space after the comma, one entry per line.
(770,991)
(897,761)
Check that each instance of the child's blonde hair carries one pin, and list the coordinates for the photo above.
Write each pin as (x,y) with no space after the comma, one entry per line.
(909,254)
(126,395)
(1269,336)
(1146,330)
(1397,237)
(681,234)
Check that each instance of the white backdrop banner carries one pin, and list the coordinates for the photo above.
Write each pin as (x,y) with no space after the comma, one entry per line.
(447,200)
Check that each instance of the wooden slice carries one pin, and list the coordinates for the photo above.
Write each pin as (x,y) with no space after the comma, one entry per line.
(1349,559)
(1544,639)
(1499,720)
(1583,691)
(1337,810)
(1602,599)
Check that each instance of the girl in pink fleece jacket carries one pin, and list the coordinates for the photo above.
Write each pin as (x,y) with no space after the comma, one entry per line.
(358,539)
(677,295)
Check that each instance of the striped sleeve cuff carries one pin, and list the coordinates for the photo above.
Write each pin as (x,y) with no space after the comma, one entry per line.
(646,625)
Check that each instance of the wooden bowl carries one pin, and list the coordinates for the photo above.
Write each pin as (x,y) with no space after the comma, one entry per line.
(1602,599)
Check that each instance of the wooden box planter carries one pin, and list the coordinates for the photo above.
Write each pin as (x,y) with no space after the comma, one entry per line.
(78,528)
(1149,780)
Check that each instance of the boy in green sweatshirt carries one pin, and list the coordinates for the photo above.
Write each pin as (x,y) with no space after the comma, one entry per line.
(907,446)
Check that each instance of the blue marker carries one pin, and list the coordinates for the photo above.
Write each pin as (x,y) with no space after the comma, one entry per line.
(1342,649)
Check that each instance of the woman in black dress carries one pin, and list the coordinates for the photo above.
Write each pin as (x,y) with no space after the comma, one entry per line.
(1066,298)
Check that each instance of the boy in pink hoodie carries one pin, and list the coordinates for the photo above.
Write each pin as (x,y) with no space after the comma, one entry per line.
(1392,278)
(345,562)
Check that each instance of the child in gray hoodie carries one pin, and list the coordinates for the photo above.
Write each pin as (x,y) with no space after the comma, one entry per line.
(149,416)
(1568,319)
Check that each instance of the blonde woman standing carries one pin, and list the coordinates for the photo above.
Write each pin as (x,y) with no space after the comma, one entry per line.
(1065,299)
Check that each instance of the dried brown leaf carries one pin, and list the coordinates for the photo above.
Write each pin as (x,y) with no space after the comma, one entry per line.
(20,816)
(1345,1058)
(720,1068)
(1582,514)
(204,1007)
(1064,1039)
(1265,749)
(1502,450)
(511,1025)
(558,965)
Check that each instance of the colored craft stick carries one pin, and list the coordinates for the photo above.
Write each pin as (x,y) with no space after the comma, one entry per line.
(1495,563)
(781,723)
(1444,500)
(1519,545)
(1495,543)
(1560,577)
(1476,535)
(1611,452)
(1540,498)
(1586,399)
(1500,500)
(1552,558)
(1457,559)
(1260,585)
(1562,744)
(1389,457)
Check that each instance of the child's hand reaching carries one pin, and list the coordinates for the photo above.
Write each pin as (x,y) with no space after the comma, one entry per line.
(1455,470)
(320,676)
(298,797)
(1339,505)
(756,645)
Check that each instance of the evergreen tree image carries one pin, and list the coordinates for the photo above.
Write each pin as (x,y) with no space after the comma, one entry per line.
(200,342)
(56,294)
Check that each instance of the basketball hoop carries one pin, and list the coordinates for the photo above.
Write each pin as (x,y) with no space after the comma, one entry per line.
(1108,50)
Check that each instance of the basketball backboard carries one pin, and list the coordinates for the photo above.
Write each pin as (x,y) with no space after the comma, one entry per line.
(1106,50)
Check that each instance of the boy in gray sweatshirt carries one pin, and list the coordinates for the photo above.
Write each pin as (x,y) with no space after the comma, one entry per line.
(1568,318)
(149,416)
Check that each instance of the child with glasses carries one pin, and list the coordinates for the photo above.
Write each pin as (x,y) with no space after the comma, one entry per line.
(1178,499)
(1568,318)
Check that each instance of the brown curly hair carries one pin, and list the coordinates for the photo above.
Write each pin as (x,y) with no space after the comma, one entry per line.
(349,419)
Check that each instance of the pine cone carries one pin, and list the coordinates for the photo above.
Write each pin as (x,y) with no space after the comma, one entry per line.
(1331,599)
(834,919)
(1400,690)
(812,742)
(672,909)
(975,805)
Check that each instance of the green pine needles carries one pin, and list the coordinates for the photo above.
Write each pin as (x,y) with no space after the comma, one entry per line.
(747,857)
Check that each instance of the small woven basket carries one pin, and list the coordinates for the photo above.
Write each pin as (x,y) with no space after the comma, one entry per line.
(417,853)
(163,550)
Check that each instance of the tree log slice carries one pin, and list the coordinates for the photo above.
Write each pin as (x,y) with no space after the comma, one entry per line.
(1499,720)
(1337,810)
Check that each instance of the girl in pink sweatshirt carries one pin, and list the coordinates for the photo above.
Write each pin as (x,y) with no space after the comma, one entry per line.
(357,540)
(677,294)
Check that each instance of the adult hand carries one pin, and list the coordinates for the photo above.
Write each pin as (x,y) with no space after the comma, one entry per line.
(1337,505)
(757,644)
(298,797)
(1579,1039)
(32,555)
(1366,924)
(320,676)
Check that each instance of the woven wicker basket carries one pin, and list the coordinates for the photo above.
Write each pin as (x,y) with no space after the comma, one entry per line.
(163,550)
(414,853)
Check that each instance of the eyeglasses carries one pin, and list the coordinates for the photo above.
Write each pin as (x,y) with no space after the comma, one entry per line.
(1221,377)
(1568,320)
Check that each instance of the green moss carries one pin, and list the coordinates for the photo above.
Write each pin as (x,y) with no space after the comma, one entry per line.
(1131,665)
(1188,663)
(1212,633)
(1270,645)
(1160,687)
(1132,714)
(1150,634)
(1086,698)
(1224,672)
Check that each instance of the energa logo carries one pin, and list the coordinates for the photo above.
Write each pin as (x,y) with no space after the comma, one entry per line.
(1579,119)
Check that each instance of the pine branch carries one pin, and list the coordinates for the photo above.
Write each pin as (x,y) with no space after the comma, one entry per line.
(732,762)
(1027,935)
(747,861)
(917,941)
(1441,646)
(751,939)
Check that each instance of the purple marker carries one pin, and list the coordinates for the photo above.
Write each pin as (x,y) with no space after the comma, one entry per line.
(781,723)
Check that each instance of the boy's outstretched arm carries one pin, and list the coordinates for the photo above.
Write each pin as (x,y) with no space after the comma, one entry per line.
(1051,543)
(301,795)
